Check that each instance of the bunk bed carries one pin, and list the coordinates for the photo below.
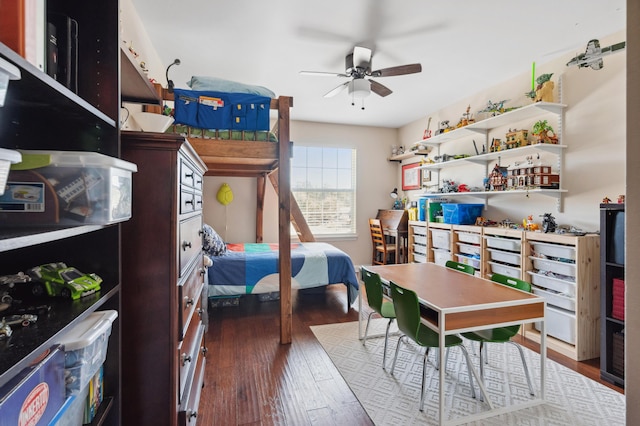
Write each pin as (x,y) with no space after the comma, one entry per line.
(261,158)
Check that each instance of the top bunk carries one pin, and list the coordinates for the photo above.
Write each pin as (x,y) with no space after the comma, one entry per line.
(237,153)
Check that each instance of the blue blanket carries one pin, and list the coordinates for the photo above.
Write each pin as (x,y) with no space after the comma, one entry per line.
(252,268)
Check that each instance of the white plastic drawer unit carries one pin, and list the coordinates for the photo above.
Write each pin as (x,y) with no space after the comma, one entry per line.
(556,298)
(469,237)
(420,239)
(419,230)
(419,258)
(503,243)
(553,250)
(468,249)
(440,256)
(564,286)
(468,260)
(560,324)
(417,248)
(554,266)
(440,238)
(510,271)
(505,256)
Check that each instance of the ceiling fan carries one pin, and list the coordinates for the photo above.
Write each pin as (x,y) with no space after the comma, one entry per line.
(358,67)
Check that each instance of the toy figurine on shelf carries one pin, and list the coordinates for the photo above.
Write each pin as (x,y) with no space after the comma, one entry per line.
(620,199)
(548,223)
(466,119)
(529,225)
(544,90)
(606,200)
(544,132)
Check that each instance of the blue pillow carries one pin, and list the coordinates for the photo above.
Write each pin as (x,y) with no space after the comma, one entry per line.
(220,85)
(212,243)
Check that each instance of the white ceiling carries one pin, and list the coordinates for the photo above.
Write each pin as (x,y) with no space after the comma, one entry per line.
(463,46)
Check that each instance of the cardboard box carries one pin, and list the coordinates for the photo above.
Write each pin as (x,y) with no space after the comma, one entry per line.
(36,394)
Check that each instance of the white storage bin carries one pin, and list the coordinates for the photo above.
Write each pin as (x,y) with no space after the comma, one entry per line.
(468,260)
(440,238)
(503,243)
(560,324)
(85,348)
(510,271)
(556,284)
(562,268)
(556,299)
(505,256)
(7,158)
(554,250)
(469,237)
(419,258)
(440,256)
(67,188)
(419,230)
(417,248)
(468,249)
(420,239)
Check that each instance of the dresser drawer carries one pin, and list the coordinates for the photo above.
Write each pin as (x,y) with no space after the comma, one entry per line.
(188,412)
(187,173)
(190,242)
(189,298)
(197,205)
(188,353)
(188,201)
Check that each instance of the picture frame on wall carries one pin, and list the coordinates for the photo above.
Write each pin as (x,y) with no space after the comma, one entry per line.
(426,178)
(411,177)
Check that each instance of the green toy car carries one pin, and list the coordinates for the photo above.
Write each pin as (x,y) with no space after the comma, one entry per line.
(58,279)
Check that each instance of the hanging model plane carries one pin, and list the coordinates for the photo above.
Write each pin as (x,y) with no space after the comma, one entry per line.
(592,57)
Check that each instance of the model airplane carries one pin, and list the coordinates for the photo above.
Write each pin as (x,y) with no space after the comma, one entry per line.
(592,57)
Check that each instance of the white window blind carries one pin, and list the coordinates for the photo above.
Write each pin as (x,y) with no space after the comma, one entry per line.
(323,182)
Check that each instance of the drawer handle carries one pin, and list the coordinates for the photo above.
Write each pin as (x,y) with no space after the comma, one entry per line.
(202,271)
(200,312)
(200,232)
(199,181)
(188,175)
(186,245)
(193,415)
(189,301)
(185,359)
(204,350)
(189,202)
(199,202)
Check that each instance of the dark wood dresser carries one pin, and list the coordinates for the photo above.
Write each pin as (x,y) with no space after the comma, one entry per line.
(163,347)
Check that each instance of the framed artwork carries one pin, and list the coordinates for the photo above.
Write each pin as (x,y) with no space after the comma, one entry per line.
(411,176)
(426,178)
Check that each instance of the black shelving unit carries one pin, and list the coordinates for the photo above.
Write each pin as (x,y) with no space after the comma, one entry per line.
(612,255)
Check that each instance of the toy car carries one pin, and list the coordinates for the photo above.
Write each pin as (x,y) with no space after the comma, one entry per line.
(58,279)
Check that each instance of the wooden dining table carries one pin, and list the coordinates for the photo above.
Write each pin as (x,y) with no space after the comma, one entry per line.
(453,302)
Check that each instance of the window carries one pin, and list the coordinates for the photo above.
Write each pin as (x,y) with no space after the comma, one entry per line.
(323,182)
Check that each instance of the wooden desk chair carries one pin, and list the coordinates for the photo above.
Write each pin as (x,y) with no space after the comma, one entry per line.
(382,250)
(407,310)
(384,308)
(502,334)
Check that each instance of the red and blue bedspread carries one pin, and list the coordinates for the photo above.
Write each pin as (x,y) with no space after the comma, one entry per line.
(251,268)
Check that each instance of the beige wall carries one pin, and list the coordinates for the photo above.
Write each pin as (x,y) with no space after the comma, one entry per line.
(375,179)
(594,132)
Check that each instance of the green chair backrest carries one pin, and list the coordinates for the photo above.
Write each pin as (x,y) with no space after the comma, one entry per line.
(511,282)
(373,286)
(406,305)
(468,269)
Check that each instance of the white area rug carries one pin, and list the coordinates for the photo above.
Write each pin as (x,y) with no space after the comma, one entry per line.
(571,398)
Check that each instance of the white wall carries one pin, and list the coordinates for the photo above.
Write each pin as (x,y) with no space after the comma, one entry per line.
(594,131)
(375,180)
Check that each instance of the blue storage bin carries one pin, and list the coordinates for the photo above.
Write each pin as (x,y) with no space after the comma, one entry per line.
(461,214)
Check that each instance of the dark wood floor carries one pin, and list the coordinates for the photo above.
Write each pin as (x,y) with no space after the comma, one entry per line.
(251,379)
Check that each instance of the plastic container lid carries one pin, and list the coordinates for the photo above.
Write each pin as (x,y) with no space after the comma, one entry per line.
(33,159)
(88,331)
(10,155)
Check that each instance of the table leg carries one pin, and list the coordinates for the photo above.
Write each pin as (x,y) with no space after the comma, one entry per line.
(442,365)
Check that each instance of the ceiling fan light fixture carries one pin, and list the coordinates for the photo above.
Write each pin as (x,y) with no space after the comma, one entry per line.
(359,88)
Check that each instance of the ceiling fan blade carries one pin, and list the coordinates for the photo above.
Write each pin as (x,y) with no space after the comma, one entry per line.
(398,70)
(379,89)
(337,90)
(361,57)
(323,74)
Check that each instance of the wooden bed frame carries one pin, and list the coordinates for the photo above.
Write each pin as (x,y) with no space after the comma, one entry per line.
(260,159)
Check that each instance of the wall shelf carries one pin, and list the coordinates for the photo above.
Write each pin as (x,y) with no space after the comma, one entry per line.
(408,154)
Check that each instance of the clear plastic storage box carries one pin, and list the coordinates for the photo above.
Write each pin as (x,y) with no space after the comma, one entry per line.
(67,188)
(7,158)
(85,348)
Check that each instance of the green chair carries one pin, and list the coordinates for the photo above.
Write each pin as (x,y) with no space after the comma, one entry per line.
(467,269)
(407,309)
(502,334)
(373,287)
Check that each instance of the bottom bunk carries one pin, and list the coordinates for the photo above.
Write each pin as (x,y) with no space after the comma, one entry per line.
(252,268)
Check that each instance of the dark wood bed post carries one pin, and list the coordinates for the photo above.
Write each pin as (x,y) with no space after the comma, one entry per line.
(260,194)
(284,218)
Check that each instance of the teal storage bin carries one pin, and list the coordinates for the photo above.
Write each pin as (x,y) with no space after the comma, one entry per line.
(461,214)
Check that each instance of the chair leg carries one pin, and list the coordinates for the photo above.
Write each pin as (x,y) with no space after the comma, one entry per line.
(386,340)
(393,366)
(424,377)
(524,365)
(366,330)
